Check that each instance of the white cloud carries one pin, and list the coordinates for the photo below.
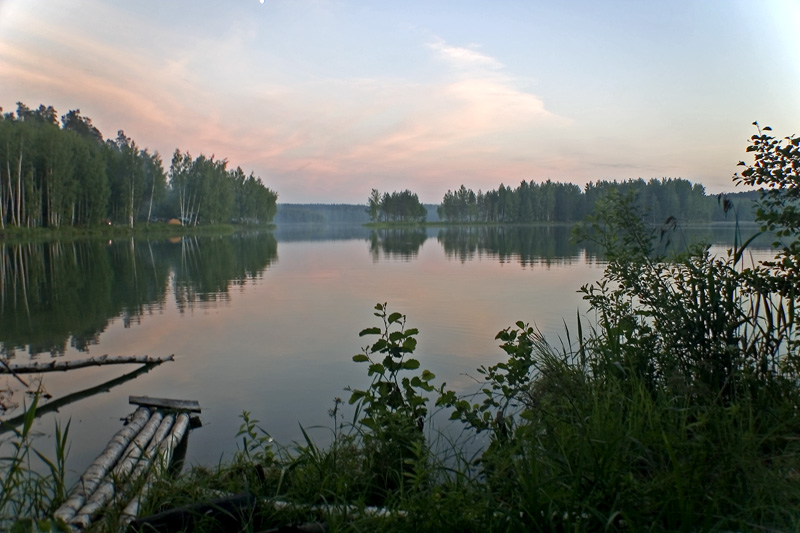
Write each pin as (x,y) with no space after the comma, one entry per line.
(460,57)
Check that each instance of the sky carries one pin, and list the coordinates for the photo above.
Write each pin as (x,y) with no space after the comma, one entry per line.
(325,100)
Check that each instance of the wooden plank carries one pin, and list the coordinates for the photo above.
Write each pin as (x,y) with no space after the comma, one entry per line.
(165,403)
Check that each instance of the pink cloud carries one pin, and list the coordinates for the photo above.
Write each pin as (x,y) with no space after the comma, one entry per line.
(323,136)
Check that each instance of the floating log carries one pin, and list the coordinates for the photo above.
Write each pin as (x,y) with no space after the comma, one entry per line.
(162,461)
(135,458)
(94,475)
(146,459)
(61,366)
(105,492)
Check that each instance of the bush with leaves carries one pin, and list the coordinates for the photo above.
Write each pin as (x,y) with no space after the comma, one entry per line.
(679,409)
(394,406)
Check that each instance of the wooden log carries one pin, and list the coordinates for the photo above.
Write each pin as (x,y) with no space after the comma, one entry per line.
(105,492)
(61,366)
(152,451)
(91,479)
(162,461)
(166,403)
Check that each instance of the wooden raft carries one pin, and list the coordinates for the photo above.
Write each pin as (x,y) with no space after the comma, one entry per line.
(133,460)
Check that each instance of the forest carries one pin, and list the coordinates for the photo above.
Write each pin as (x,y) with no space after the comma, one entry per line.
(566,202)
(63,174)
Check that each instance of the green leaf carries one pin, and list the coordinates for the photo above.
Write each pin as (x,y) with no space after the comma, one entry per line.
(379,345)
(360,358)
(370,331)
(412,331)
(376,368)
(357,395)
(411,364)
(394,317)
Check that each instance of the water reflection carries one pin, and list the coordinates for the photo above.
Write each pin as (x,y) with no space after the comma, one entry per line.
(50,406)
(55,295)
(320,232)
(396,243)
(553,245)
(281,348)
(529,245)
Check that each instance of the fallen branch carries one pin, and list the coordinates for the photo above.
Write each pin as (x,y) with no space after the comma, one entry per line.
(55,405)
(5,368)
(56,366)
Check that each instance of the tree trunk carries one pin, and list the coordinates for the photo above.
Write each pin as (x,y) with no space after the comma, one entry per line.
(11,200)
(197,211)
(150,209)
(130,207)
(19,188)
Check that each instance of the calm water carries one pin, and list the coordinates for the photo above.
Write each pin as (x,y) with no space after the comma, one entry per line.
(268,322)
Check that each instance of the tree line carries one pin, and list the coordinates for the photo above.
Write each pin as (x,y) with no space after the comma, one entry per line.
(566,202)
(55,174)
(395,207)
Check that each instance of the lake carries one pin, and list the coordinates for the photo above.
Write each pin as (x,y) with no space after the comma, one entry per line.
(268,321)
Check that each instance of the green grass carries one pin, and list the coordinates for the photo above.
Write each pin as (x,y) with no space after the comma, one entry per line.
(31,483)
